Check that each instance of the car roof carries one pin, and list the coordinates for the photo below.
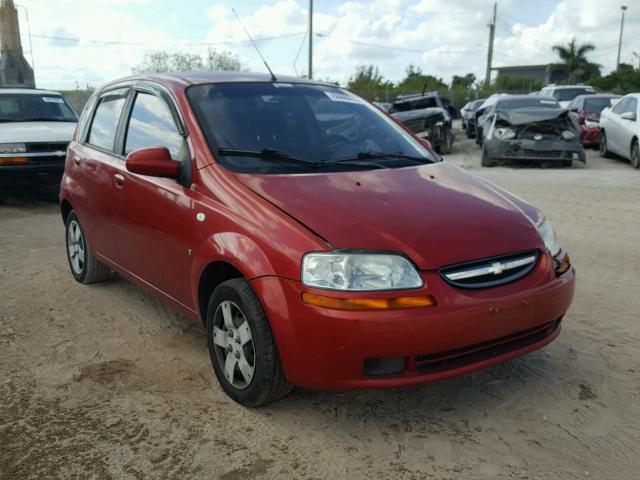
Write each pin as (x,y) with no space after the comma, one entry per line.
(27,91)
(509,96)
(200,78)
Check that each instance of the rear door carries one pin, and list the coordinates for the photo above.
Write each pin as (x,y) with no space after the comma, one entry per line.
(91,164)
(628,127)
(153,224)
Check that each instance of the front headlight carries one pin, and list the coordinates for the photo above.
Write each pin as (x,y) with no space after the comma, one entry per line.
(504,133)
(548,235)
(568,135)
(13,148)
(359,271)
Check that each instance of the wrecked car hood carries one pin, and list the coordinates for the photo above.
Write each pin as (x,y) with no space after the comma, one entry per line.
(437,214)
(417,114)
(522,116)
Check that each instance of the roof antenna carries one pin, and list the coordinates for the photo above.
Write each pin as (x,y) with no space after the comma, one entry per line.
(273,77)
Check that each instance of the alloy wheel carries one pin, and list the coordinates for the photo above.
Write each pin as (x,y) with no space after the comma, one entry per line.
(234,347)
(76,247)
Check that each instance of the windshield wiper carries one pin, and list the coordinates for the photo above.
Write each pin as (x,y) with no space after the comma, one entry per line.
(373,155)
(267,154)
(271,154)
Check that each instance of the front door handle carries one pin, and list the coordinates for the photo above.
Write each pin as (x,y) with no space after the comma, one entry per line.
(119,180)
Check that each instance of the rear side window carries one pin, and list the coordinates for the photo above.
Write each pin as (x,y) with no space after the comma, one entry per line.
(152,125)
(105,121)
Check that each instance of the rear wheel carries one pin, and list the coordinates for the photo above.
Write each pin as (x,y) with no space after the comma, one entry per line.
(3,195)
(241,346)
(487,161)
(635,154)
(84,266)
(603,149)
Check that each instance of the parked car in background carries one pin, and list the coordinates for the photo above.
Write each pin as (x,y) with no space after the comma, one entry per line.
(429,116)
(620,129)
(385,107)
(35,128)
(565,93)
(586,109)
(530,129)
(317,241)
(469,117)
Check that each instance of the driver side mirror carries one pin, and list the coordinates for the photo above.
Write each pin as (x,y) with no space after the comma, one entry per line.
(628,116)
(154,161)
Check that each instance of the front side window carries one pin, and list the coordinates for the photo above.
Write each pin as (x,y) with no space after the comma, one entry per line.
(631,106)
(27,107)
(105,120)
(151,125)
(315,123)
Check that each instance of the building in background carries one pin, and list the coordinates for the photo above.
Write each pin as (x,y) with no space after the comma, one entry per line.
(15,71)
(542,73)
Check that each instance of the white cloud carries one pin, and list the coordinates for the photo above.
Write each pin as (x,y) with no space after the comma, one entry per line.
(449,36)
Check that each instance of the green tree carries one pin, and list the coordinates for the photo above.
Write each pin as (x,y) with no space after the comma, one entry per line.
(368,82)
(465,82)
(415,81)
(575,62)
(625,80)
(158,62)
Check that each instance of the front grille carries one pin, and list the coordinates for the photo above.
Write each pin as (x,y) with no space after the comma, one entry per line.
(443,361)
(47,147)
(490,272)
(542,153)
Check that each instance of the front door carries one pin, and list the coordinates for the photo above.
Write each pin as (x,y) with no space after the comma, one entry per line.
(153,224)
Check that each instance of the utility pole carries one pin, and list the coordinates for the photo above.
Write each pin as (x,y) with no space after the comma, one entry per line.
(310,39)
(623,8)
(492,31)
(635,54)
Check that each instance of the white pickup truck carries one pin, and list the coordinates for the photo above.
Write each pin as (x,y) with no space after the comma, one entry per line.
(35,128)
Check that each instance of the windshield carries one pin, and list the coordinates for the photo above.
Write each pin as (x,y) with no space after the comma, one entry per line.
(567,94)
(26,107)
(515,103)
(596,105)
(314,123)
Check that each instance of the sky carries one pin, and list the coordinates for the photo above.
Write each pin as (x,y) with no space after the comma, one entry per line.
(74,43)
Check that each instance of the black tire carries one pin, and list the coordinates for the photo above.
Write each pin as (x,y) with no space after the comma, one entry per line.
(268,382)
(603,150)
(486,161)
(635,154)
(467,131)
(88,269)
(3,195)
(444,148)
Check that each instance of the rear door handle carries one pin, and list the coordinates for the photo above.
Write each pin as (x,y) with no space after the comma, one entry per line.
(119,179)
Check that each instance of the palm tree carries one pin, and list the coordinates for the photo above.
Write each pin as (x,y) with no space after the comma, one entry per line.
(574,58)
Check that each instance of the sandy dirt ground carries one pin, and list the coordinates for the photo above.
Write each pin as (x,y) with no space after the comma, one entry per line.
(105,381)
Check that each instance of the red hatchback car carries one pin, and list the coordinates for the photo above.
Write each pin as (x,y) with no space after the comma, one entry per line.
(318,242)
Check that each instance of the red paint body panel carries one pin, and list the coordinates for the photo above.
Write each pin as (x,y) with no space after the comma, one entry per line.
(149,230)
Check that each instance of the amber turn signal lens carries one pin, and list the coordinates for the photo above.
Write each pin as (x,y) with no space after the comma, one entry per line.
(563,265)
(13,160)
(368,303)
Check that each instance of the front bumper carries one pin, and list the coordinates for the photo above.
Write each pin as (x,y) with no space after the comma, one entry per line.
(467,330)
(31,174)
(535,150)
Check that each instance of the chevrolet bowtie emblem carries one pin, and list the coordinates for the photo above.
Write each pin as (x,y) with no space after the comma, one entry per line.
(497,268)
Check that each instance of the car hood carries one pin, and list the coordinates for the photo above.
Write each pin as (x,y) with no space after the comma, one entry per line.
(32,132)
(436,214)
(521,116)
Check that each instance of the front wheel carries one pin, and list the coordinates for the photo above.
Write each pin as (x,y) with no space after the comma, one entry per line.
(487,161)
(241,346)
(635,155)
(603,148)
(447,142)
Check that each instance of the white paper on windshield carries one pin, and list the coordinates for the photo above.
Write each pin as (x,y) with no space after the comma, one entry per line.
(52,99)
(343,97)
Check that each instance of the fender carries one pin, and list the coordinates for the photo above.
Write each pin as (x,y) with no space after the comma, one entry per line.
(234,248)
